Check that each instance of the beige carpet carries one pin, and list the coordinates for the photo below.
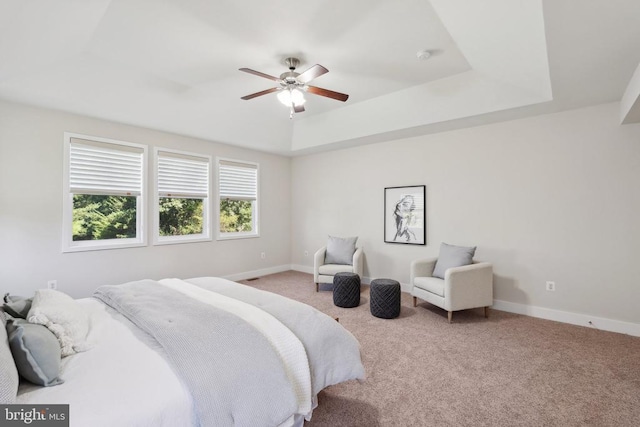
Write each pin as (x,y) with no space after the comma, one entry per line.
(508,370)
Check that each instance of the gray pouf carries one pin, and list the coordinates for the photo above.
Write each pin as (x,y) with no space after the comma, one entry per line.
(385,298)
(346,290)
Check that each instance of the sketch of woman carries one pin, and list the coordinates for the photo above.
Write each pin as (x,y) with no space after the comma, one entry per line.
(403,214)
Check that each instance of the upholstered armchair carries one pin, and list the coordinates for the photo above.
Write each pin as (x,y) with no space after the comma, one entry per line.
(465,287)
(323,273)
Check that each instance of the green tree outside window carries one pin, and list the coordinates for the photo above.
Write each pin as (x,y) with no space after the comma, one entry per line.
(236,216)
(114,217)
(180,217)
(103,217)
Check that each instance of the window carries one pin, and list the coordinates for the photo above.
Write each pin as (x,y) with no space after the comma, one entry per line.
(182,205)
(104,186)
(238,204)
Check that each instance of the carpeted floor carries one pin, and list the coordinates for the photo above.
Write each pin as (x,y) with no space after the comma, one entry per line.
(508,370)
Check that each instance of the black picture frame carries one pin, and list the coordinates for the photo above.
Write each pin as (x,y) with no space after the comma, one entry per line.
(405,219)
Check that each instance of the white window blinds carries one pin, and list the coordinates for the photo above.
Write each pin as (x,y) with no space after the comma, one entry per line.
(238,181)
(104,168)
(181,175)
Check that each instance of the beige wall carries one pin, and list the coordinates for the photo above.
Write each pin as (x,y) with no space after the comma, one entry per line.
(31,167)
(554,197)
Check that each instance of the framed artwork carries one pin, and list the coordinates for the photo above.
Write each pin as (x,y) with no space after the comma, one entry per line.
(404,215)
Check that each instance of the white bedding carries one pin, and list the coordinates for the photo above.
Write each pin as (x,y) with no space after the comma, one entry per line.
(121,381)
(286,344)
(126,379)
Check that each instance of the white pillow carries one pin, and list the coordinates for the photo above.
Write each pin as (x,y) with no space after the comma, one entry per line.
(63,316)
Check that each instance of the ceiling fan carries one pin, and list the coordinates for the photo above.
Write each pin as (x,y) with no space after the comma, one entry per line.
(292,86)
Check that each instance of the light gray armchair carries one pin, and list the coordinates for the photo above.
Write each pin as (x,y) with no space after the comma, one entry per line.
(464,287)
(323,273)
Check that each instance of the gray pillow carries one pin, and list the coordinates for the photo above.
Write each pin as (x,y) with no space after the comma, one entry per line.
(17,306)
(452,256)
(36,352)
(8,374)
(340,250)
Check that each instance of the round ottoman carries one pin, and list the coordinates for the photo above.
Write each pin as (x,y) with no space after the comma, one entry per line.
(346,290)
(385,298)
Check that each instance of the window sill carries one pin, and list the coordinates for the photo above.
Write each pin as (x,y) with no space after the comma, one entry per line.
(234,236)
(94,245)
(177,240)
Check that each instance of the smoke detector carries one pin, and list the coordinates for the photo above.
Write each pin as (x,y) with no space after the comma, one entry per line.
(423,55)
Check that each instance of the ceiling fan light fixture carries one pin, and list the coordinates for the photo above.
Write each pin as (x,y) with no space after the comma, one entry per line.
(291,96)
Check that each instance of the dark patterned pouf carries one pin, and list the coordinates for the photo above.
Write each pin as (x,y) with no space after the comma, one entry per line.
(385,298)
(346,290)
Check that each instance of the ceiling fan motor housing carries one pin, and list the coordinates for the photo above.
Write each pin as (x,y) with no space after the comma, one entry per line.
(288,78)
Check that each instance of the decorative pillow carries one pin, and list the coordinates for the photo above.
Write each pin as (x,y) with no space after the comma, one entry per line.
(63,316)
(340,250)
(452,256)
(17,306)
(8,374)
(36,352)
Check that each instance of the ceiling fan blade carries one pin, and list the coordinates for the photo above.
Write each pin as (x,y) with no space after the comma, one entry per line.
(313,72)
(328,93)
(298,108)
(259,74)
(264,92)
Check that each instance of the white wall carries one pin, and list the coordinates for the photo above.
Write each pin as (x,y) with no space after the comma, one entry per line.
(31,167)
(554,197)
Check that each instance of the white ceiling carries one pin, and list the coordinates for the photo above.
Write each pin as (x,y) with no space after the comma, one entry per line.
(173,65)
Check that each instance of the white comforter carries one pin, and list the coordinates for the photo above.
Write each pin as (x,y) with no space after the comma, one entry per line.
(121,381)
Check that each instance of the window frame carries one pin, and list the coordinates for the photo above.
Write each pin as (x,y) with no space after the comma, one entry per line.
(255,204)
(205,236)
(68,244)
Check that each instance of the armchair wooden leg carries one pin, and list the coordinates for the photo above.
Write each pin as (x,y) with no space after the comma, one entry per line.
(415,301)
(449,315)
(486,312)
(317,286)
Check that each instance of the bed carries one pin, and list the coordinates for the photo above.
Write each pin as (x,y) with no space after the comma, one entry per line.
(203,351)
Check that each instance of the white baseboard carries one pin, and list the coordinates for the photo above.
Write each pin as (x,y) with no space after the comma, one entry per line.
(534,311)
(568,317)
(257,273)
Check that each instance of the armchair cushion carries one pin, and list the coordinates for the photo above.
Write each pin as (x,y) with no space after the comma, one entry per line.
(430,284)
(452,256)
(333,269)
(340,250)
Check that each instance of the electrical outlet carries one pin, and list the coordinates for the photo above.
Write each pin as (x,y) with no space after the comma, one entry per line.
(263,255)
(306,253)
(52,284)
(551,286)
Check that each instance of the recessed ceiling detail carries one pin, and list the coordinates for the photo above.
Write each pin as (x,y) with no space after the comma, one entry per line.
(172,65)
